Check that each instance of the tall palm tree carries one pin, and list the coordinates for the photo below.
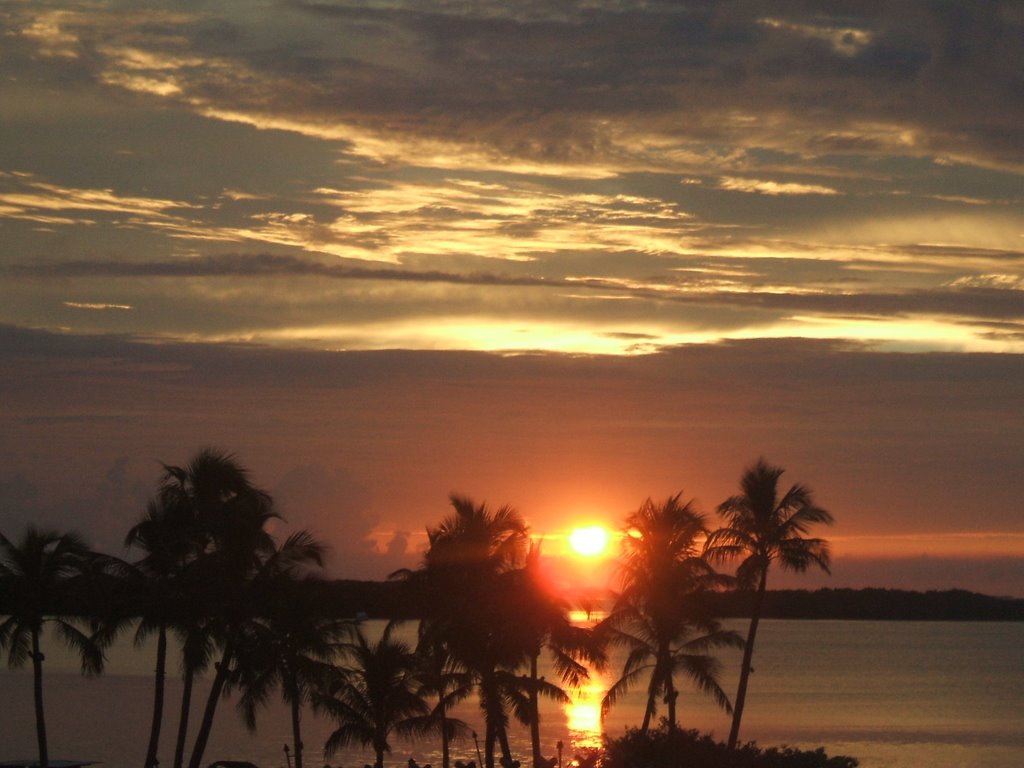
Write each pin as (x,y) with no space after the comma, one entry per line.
(167,537)
(226,514)
(441,678)
(291,648)
(541,620)
(376,695)
(198,646)
(464,582)
(244,583)
(762,527)
(661,616)
(37,575)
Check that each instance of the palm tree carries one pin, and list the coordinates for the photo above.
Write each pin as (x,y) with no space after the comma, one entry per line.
(291,648)
(226,514)
(166,536)
(37,575)
(541,619)
(763,527)
(464,582)
(244,583)
(196,635)
(442,678)
(662,615)
(376,695)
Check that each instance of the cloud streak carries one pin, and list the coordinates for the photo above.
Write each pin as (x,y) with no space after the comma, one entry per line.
(991,297)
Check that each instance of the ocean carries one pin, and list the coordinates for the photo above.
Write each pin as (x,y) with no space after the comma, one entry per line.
(892,694)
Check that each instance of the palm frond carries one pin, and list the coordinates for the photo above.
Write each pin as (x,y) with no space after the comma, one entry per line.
(91,653)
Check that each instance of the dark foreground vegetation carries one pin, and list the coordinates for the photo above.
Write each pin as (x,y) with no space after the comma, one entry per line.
(690,749)
(222,596)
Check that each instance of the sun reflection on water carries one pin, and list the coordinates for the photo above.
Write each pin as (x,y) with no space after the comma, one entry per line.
(583,713)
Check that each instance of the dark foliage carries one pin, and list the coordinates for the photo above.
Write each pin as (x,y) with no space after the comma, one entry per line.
(691,749)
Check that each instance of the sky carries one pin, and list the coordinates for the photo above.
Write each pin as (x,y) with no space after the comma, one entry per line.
(559,255)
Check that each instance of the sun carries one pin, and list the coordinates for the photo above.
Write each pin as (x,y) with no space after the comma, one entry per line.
(589,541)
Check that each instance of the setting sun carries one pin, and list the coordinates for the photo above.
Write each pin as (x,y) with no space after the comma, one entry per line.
(589,541)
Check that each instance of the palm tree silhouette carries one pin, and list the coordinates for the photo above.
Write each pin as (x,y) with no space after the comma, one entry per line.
(440,677)
(763,527)
(247,591)
(464,582)
(376,696)
(291,648)
(661,616)
(228,515)
(38,574)
(195,631)
(541,620)
(166,536)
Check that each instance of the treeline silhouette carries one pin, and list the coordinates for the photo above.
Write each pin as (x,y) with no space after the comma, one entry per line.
(221,594)
(392,600)
(875,604)
(389,600)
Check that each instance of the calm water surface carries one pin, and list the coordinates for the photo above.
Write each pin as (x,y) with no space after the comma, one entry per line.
(893,694)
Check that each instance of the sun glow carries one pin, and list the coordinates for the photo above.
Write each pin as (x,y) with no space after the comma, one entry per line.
(589,541)
(583,713)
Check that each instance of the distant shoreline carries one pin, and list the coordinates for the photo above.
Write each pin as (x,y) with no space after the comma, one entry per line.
(877,605)
(385,600)
(389,600)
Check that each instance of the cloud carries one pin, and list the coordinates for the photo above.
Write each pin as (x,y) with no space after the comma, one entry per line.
(457,86)
(447,154)
(994,297)
(762,187)
(30,195)
(100,510)
(100,307)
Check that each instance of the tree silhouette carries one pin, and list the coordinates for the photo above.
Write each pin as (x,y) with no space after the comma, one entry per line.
(376,695)
(37,576)
(291,647)
(247,590)
(195,631)
(661,615)
(463,583)
(541,620)
(166,536)
(763,527)
(440,677)
(232,549)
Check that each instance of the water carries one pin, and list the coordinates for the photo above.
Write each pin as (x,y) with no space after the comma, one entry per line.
(893,694)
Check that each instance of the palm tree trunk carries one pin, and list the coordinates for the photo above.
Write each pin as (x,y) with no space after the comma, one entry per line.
(489,737)
(748,654)
(445,747)
(534,713)
(186,705)
(211,706)
(37,686)
(671,694)
(296,727)
(158,697)
(506,750)
(652,692)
